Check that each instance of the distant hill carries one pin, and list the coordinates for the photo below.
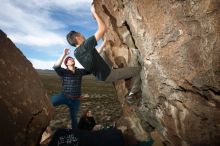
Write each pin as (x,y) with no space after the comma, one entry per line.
(45,71)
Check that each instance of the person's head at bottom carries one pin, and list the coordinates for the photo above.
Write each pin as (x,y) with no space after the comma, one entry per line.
(87,113)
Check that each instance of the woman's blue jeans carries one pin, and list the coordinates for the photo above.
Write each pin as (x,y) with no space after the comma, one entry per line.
(73,105)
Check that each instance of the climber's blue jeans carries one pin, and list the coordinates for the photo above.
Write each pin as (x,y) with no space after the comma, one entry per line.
(73,105)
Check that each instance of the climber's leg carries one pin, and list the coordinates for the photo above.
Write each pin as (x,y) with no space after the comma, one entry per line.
(135,88)
(122,73)
(135,84)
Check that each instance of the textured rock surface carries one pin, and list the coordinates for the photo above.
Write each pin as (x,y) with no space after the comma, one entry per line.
(177,43)
(25,110)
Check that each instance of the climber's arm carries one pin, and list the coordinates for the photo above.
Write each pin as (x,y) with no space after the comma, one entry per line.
(100,48)
(101,25)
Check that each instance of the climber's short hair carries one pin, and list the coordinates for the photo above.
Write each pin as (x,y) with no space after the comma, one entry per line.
(71,38)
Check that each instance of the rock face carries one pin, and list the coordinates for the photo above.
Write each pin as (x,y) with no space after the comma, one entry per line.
(177,43)
(25,110)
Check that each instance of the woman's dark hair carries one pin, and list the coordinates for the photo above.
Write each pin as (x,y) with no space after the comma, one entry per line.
(70,37)
(85,112)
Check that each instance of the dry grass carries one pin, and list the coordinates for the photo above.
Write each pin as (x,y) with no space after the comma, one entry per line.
(100,98)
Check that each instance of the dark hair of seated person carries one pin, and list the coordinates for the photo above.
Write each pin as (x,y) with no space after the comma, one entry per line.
(87,121)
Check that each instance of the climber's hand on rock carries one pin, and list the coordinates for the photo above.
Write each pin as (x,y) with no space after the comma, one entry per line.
(93,11)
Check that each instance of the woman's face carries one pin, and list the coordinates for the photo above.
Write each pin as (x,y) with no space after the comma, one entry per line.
(89,114)
(70,62)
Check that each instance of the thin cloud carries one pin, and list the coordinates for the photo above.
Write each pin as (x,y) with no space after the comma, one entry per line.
(30,23)
(41,26)
(45,40)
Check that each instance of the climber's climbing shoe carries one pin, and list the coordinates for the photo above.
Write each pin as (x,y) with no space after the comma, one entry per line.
(130,98)
(133,98)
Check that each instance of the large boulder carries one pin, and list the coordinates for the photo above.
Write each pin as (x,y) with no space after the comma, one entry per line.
(25,109)
(177,43)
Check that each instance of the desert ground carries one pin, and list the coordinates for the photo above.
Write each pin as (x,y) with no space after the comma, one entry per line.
(98,96)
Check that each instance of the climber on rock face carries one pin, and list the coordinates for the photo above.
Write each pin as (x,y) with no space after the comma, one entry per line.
(89,57)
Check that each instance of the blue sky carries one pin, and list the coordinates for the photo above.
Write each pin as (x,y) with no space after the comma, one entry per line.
(39,27)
